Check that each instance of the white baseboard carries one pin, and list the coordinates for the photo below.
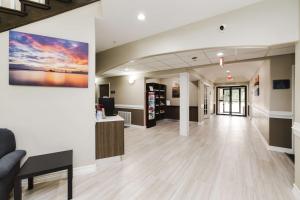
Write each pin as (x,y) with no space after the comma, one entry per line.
(201,123)
(136,126)
(108,160)
(269,147)
(88,169)
(281,149)
(296,192)
(78,171)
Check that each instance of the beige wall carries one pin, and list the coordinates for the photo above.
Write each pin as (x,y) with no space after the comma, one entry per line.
(128,94)
(281,68)
(260,105)
(274,68)
(263,100)
(153,80)
(51,119)
(242,29)
(176,101)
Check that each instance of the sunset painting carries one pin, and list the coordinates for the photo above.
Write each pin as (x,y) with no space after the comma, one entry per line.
(45,61)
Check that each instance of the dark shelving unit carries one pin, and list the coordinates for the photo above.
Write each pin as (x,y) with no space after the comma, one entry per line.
(159,104)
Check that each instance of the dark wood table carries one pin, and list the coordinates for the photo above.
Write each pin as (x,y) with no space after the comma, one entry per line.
(44,164)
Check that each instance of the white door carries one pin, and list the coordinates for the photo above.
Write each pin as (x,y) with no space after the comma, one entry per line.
(206,102)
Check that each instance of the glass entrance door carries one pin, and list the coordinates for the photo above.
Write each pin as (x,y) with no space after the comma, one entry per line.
(236,100)
(232,100)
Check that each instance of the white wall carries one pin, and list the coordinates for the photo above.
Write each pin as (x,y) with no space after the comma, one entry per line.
(50,119)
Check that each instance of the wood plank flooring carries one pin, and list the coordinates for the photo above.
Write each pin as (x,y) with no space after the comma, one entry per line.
(224,159)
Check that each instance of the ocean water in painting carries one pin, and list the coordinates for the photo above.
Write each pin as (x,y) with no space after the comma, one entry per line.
(45,61)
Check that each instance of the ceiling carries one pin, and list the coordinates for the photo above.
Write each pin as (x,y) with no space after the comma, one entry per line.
(204,58)
(241,72)
(119,24)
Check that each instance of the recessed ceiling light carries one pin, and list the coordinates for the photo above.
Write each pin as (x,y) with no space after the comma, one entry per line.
(228,71)
(141,17)
(220,54)
(132,61)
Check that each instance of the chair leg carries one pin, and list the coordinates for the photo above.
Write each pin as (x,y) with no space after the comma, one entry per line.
(30,183)
(17,189)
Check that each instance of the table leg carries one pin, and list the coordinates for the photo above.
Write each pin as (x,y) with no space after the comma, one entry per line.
(17,189)
(30,183)
(70,183)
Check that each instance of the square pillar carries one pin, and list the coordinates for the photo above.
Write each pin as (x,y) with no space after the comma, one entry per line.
(184,104)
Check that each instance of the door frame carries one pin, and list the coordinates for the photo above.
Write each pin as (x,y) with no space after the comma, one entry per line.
(230,105)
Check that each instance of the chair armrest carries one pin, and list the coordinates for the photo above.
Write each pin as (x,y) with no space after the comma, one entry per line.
(9,161)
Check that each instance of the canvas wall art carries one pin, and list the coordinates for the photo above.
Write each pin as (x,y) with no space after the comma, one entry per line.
(256,86)
(175,90)
(37,60)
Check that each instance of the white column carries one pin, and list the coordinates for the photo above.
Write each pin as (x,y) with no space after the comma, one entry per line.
(184,104)
(12,4)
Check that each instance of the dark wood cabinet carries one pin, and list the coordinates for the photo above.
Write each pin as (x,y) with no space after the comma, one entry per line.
(109,139)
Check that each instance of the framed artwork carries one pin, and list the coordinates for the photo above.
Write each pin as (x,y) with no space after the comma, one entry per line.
(256,86)
(36,60)
(281,84)
(175,90)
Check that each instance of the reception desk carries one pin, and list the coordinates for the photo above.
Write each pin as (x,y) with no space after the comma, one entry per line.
(109,137)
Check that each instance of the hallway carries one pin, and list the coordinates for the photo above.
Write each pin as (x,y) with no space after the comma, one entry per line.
(224,159)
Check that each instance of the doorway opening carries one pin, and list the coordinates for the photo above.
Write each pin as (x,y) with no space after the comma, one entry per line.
(232,100)
(104,90)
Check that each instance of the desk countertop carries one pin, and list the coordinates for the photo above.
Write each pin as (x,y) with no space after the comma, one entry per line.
(111,119)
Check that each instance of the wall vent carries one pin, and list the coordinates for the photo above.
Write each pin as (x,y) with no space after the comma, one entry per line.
(126,116)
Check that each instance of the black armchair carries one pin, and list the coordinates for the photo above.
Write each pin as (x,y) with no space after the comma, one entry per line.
(9,162)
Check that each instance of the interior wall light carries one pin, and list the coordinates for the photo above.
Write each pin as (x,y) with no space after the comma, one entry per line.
(131,80)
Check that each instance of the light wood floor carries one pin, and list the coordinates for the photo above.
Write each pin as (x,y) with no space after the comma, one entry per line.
(224,159)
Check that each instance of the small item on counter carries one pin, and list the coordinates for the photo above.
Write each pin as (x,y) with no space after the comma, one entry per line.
(100,112)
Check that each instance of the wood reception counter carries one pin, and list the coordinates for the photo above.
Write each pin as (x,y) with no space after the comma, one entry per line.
(109,137)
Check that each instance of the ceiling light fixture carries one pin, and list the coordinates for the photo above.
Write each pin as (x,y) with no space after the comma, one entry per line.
(220,54)
(141,17)
(227,71)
